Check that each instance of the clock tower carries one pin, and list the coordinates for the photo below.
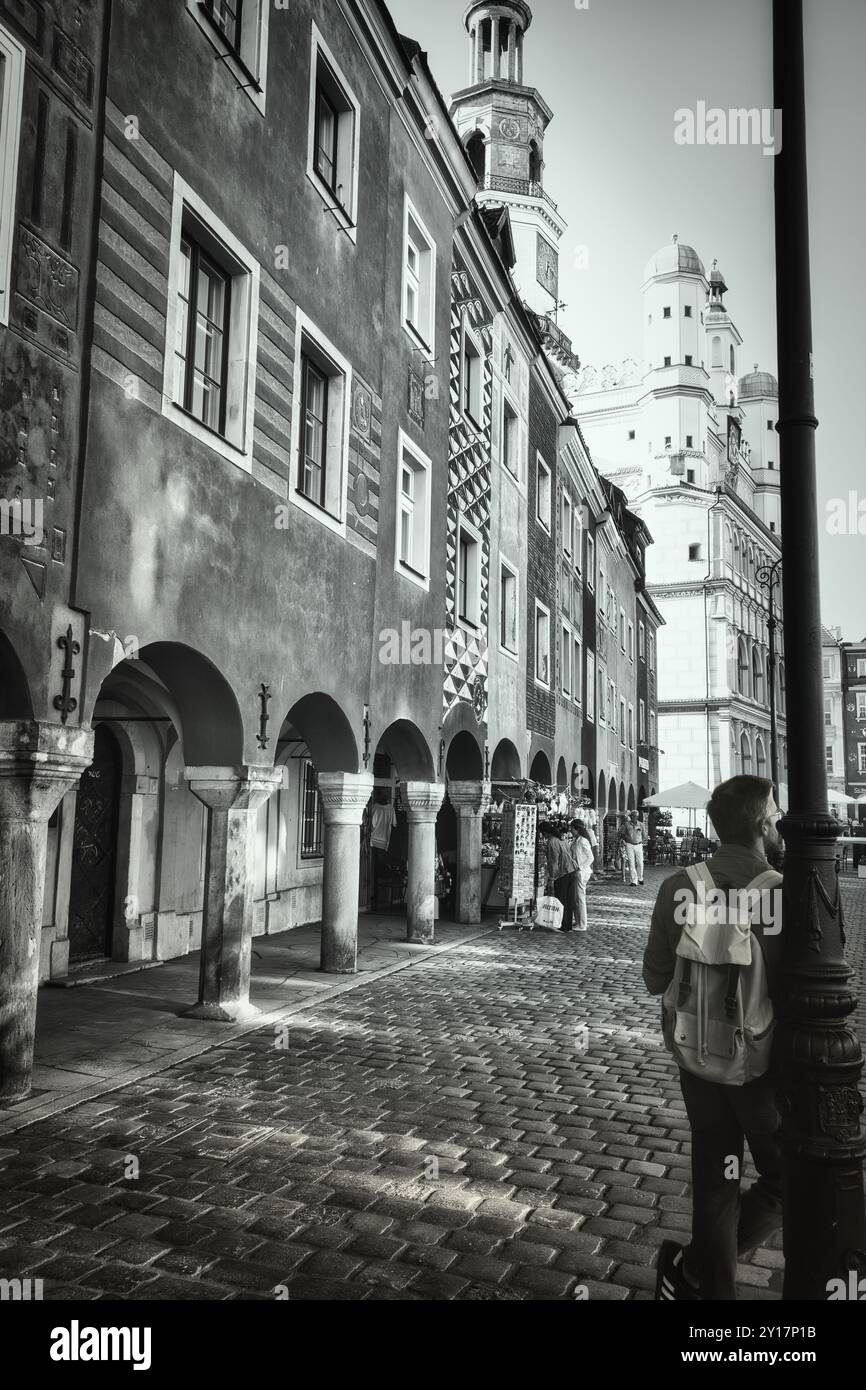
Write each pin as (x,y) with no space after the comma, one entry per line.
(502,123)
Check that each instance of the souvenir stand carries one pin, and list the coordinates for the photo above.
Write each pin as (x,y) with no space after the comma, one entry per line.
(510,882)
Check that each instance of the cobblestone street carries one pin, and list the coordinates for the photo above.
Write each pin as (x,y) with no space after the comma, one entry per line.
(432,1134)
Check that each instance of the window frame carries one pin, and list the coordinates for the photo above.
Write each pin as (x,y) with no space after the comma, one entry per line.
(630,647)
(470,340)
(542,467)
(860,700)
(248,69)
(514,574)
(861,758)
(576,669)
(641,640)
(421,465)
(189,211)
(305,856)
(411,214)
(589,686)
(11,109)
(590,560)
(641,722)
(565,661)
(347,134)
(630,717)
(306,331)
(541,608)
(567,530)
(622,630)
(465,527)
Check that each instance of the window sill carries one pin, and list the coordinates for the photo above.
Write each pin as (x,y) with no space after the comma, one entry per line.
(245,80)
(185,420)
(342,215)
(417,341)
(421,581)
(506,651)
(318,513)
(230,53)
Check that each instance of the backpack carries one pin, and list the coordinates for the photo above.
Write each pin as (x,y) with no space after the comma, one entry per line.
(717,1017)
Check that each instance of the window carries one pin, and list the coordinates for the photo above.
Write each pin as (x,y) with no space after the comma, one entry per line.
(631,726)
(746,754)
(201,343)
(238,31)
(757,677)
(419,280)
(770,425)
(211,330)
(507,608)
(690,475)
(468,576)
(828,712)
(602,592)
(828,672)
(631,434)
(652,729)
(631,641)
(688,311)
(641,722)
(334,136)
(772,525)
(590,685)
(861,705)
(622,723)
(510,438)
(567,526)
(641,641)
(590,561)
(652,651)
(689,437)
(576,672)
(667,441)
(861,757)
(828,757)
(622,629)
(667,361)
(12,61)
(312,820)
(320,436)
(542,499)
(602,695)
(611,705)
(611,609)
(742,668)
(666,312)
(565,661)
(861,668)
(694,552)
(578,539)
(413,513)
(471,378)
(542,644)
(688,360)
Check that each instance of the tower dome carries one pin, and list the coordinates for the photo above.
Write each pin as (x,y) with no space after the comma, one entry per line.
(756,384)
(496,29)
(676,258)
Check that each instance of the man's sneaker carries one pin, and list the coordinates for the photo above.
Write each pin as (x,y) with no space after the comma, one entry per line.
(671,1283)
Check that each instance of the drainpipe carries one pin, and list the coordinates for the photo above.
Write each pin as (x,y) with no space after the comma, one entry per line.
(707,577)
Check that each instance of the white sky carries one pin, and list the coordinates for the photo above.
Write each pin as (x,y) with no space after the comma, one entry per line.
(613,74)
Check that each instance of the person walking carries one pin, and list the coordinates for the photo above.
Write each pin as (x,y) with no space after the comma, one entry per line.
(584,858)
(633,840)
(732,971)
(562,872)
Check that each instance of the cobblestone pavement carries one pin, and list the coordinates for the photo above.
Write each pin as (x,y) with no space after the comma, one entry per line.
(433,1134)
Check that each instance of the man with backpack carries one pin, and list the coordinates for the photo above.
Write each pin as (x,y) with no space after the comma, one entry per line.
(713,953)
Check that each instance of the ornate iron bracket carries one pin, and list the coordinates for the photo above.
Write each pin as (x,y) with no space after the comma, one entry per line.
(366,735)
(264,698)
(65,702)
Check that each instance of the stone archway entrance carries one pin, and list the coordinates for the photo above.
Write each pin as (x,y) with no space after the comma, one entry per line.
(94,852)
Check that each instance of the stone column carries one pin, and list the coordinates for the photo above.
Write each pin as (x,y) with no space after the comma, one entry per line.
(232,795)
(344,796)
(520,59)
(422,801)
(467,798)
(137,851)
(39,764)
(494,50)
(512,35)
(479,52)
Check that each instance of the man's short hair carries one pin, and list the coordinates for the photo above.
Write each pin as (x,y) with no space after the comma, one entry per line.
(738,807)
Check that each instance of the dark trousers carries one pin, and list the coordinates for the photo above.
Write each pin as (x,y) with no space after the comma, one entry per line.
(723,1223)
(566,890)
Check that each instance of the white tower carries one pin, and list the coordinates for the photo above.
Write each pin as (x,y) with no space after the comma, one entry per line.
(723,341)
(759,401)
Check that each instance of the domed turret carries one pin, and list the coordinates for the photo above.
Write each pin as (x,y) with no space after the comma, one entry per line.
(755,385)
(674,259)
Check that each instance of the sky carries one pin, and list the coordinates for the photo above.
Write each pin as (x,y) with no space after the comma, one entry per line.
(614,72)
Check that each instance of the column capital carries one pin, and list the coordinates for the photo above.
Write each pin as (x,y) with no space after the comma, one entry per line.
(421,800)
(39,764)
(467,798)
(344,796)
(233,788)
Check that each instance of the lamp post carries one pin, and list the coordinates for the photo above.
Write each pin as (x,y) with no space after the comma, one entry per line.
(819,1056)
(768,576)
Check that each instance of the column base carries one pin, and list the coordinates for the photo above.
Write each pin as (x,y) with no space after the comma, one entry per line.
(6,1102)
(223,1013)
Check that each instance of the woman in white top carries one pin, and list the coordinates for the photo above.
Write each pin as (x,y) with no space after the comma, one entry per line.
(584,858)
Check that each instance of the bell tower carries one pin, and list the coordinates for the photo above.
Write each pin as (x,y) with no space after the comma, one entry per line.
(502,123)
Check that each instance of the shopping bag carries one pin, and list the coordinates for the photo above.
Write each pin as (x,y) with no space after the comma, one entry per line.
(548,914)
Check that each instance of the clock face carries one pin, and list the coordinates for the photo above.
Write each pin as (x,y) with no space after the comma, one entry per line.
(509,128)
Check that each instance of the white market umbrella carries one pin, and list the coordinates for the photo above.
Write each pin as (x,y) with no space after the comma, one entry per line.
(838,799)
(688,796)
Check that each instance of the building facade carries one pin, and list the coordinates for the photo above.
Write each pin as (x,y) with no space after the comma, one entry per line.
(853,656)
(834,709)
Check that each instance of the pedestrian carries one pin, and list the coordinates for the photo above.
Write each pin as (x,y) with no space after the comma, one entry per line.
(633,840)
(562,872)
(723,1114)
(584,859)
